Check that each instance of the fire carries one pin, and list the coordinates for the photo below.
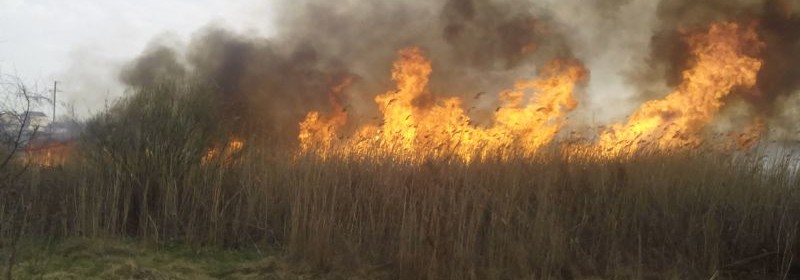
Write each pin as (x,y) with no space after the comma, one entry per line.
(48,154)
(321,131)
(721,64)
(416,125)
(225,152)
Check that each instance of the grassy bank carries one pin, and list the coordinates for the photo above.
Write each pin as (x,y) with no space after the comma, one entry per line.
(80,258)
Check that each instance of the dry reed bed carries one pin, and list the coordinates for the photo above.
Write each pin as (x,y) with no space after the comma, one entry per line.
(690,215)
(138,173)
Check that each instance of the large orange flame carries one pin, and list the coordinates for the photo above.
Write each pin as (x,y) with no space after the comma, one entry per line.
(416,126)
(722,63)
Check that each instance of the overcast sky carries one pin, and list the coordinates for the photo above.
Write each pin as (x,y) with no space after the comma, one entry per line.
(79,42)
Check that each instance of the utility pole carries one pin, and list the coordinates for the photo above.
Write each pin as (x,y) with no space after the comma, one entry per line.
(55,90)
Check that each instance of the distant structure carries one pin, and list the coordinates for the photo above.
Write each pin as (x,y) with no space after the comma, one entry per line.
(30,120)
(35,120)
(6,120)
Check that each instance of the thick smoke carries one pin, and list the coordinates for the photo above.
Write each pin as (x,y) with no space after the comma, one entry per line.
(475,45)
(155,63)
(489,35)
(259,82)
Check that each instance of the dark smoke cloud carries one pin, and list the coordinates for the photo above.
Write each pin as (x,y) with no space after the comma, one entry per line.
(259,82)
(274,82)
(155,63)
(780,27)
(488,35)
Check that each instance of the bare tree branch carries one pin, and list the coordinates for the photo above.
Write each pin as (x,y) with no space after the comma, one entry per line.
(14,90)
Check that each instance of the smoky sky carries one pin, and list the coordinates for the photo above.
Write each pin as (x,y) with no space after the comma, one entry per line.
(475,46)
(275,81)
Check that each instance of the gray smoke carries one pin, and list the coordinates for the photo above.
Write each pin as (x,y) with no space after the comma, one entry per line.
(475,46)
(274,82)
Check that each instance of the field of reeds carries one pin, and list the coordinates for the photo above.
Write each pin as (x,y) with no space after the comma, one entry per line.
(141,171)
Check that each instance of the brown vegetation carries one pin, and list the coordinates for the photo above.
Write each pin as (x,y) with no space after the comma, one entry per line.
(139,172)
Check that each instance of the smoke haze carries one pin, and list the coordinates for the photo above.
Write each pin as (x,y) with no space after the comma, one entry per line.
(634,49)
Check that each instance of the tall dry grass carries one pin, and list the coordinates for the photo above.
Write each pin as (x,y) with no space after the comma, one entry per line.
(696,215)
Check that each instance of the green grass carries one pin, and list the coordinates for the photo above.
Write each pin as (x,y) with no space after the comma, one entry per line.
(81,258)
